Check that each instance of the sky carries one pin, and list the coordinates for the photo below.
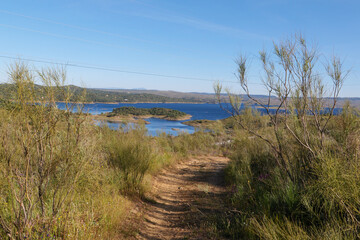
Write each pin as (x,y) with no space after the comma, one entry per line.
(181,45)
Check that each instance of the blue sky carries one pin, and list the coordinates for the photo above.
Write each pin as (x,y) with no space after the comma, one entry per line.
(185,38)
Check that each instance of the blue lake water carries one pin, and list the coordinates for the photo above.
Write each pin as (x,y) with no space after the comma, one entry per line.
(156,126)
(197,111)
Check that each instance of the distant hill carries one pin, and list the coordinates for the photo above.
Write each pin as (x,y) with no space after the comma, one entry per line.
(210,97)
(186,96)
(7,91)
(147,96)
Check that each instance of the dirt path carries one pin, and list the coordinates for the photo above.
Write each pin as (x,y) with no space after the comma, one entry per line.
(184,197)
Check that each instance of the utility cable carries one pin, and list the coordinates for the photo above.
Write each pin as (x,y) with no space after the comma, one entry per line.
(111,69)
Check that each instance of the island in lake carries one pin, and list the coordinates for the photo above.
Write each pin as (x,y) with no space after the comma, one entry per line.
(133,114)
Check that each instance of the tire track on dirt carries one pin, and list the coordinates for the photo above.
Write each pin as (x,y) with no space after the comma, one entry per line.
(183,197)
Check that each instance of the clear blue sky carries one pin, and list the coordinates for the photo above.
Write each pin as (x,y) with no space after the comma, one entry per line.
(188,38)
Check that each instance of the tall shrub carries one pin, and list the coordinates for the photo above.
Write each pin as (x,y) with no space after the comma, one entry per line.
(42,154)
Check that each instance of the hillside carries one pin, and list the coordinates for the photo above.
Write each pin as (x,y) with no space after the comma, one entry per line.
(147,96)
(7,91)
(210,98)
(188,96)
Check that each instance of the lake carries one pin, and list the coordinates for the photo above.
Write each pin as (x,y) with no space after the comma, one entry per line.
(197,111)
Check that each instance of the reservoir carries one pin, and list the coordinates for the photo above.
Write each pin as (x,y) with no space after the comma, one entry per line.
(156,126)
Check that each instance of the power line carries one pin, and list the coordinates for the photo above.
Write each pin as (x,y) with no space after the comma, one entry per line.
(112,69)
(92,42)
(125,71)
(98,43)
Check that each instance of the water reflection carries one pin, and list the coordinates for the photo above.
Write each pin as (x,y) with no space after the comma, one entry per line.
(155,127)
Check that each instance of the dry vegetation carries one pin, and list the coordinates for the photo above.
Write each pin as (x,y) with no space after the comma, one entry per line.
(293,173)
(61,176)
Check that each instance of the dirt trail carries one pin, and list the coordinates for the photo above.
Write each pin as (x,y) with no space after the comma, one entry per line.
(183,198)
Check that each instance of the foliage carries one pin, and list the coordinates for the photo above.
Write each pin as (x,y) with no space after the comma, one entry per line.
(131,154)
(8,91)
(62,177)
(42,156)
(294,171)
(167,113)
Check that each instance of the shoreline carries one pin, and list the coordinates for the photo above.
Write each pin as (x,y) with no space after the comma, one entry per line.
(136,119)
(128,102)
(141,102)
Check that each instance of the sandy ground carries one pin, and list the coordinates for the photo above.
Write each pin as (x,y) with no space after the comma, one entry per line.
(182,199)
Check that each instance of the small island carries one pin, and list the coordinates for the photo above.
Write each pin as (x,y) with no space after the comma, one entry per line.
(133,114)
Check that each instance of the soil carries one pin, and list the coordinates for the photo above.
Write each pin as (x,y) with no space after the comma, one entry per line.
(183,199)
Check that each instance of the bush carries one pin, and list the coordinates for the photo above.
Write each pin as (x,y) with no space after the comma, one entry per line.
(130,154)
(323,199)
(54,180)
(294,170)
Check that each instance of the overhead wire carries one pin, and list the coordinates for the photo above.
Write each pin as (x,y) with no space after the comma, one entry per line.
(112,69)
(92,42)
(97,43)
(69,64)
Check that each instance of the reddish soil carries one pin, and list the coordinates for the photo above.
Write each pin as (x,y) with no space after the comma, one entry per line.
(183,199)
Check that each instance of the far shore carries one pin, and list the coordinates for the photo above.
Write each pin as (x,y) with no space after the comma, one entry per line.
(137,119)
(117,119)
(137,102)
(150,102)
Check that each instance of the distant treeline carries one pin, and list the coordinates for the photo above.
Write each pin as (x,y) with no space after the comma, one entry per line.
(168,113)
(8,91)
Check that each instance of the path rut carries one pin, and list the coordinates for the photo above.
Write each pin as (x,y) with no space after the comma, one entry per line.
(183,198)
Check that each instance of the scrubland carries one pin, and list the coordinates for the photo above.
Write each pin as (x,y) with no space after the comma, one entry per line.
(295,170)
(293,174)
(61,176)
(318,198)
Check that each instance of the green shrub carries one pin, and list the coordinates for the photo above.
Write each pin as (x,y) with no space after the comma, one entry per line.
(130,153)
(324,198)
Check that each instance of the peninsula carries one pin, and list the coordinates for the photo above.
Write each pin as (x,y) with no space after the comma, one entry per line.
(134,114)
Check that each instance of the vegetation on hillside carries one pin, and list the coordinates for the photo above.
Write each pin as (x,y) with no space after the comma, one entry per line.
(154,112)
(8,91)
